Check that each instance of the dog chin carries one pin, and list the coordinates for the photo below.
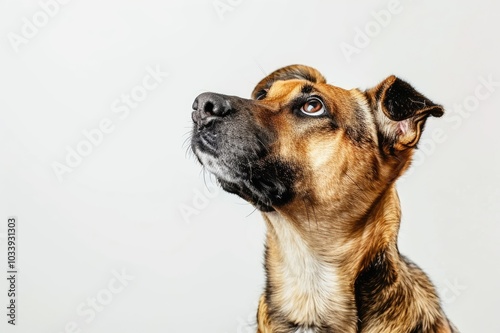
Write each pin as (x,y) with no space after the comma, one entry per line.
(213,165)
(249,193)
(265,183)
(232,183)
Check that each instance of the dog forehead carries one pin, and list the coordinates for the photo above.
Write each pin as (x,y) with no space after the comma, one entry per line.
(288,89)
(338,100)
(282,89)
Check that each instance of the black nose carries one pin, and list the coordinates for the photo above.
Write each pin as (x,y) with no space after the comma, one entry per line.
(208,107)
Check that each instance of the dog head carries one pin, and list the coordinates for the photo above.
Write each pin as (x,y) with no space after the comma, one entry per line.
(300,142)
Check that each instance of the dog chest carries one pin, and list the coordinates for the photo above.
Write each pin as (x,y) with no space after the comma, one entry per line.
(304,285)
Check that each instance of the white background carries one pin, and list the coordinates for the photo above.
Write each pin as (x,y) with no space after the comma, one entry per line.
(120,208)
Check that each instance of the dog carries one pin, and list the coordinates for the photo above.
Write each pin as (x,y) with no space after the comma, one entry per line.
(320,163)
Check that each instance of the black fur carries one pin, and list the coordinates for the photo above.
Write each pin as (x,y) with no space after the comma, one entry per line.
(371,282)
(270,183)
(402,101)
(307,89)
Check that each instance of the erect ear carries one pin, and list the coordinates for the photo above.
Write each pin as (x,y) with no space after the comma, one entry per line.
(300,72)
(400,113)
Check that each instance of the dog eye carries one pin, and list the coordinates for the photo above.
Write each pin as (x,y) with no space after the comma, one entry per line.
(313,107)
(261,94)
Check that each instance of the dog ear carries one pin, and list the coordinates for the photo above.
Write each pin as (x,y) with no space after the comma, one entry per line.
(400,113)
(291,72)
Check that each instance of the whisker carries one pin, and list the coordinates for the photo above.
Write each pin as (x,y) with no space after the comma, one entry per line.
(315,217)
(188,152)
(204,179)
(250,172)
(307,203)
(263,145)
(260,67)
(307,212)
(190,128)
(186,140)
(253,211)
(345,173)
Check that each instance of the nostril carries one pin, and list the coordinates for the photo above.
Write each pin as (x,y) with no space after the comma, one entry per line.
(209,107)
(210,104)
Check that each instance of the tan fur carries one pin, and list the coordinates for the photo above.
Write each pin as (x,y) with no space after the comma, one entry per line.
(332,261)
(328,238)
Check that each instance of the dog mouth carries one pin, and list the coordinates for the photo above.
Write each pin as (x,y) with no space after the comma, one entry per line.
(215,162)
(204,142)
(243,174)
(265,183)
(228,143)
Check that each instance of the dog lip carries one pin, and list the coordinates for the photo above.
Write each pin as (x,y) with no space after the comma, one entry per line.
(203,120)
(223,172)
(206,143)
(203,143)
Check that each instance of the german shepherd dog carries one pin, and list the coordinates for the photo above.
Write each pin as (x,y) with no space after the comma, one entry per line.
(320,163)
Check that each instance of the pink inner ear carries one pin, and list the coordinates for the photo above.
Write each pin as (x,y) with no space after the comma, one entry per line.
(403,127)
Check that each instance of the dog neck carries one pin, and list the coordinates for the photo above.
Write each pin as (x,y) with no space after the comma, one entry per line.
(312,266)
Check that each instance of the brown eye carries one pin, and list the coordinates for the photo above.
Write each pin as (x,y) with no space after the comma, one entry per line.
(313,107)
